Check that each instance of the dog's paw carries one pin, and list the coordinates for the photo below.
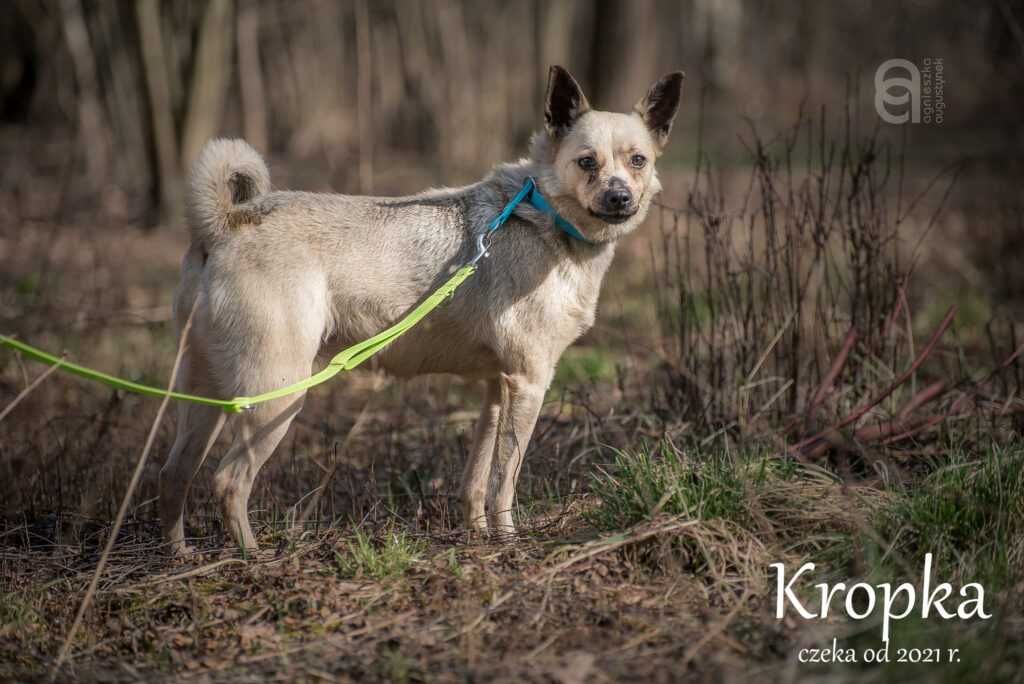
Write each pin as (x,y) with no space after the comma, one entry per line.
(503,534)
(180,551)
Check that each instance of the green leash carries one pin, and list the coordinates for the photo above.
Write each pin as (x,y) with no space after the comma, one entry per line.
(346,359)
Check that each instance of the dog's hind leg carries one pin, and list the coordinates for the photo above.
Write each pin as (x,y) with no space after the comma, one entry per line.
(198,427)
(259,433)
(478,467)
(197,430)
(278,351)
(521,398)
(267,332)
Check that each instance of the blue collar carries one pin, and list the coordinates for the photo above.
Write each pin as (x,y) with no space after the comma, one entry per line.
(540,204)
(531,193)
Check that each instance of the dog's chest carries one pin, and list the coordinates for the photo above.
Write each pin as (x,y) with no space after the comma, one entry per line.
(571,303)
(556,313)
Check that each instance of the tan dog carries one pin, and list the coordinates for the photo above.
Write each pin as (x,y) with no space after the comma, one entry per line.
(277,278)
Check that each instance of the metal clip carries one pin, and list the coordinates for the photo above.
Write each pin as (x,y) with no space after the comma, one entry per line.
(481,248)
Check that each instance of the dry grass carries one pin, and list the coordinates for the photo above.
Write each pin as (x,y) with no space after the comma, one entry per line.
(669,595)
(525,610)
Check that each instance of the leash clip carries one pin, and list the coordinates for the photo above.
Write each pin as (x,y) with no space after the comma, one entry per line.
(525,193)
(481,248)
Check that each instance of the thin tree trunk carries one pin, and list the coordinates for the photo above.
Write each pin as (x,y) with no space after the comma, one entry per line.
(621,66)
(92,131)
(250,76)
(155,66)
(210,79)
(364,101)
(124,96)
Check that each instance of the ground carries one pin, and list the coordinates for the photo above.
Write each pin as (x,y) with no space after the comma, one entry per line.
(675,596)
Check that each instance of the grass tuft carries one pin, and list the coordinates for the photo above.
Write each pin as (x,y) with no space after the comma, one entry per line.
(969,514)
(641,484)
(388,558)
(752,509)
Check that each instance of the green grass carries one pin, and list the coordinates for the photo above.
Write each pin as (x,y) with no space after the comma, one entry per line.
(395,667)
(452,561)
(641,484)
(968,511)
(969,514)
(581,365)
(974,310)
(16,613)
(385,559)
(19,617)
(27,287)
(749,509)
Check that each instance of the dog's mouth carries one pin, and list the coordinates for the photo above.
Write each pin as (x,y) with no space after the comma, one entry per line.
(614,217)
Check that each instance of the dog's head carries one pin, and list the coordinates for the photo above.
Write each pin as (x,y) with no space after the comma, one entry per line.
(602,163)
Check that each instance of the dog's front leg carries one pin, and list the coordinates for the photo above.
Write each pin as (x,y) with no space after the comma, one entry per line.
(478,467)
(521,399)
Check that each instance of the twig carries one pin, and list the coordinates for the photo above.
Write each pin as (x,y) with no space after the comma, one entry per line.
(194,572)
(483,614)
(771,345)
(833,374)
(901,425)
(362,631)
(122,511)
(713,632)
(928,423)
(352,435)
(28,390)
(859,412)
(600,546)
(928,394)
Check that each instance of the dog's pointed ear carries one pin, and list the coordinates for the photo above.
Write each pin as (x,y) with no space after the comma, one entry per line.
(564,102)
(659,106)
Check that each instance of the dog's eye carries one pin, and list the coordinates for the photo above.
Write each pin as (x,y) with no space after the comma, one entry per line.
(587,163)
(638,161)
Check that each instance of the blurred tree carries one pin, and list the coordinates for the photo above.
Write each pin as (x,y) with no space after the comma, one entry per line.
(19,73)
(368,93)
(624,52)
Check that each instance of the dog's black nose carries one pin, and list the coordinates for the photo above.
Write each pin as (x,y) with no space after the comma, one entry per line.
(618,199)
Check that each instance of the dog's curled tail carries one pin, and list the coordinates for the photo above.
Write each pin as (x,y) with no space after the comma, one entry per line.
(226,174)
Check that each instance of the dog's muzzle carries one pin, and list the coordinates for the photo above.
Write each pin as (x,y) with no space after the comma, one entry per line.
(617,205)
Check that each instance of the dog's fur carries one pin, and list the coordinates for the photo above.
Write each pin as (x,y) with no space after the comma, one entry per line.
(277,278)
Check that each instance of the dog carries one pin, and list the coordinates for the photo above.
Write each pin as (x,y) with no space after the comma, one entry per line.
(273,279)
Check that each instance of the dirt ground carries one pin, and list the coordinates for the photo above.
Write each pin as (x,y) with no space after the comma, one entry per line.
(554,606)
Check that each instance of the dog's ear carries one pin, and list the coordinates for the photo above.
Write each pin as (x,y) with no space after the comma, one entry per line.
(564,102)
(659,106)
